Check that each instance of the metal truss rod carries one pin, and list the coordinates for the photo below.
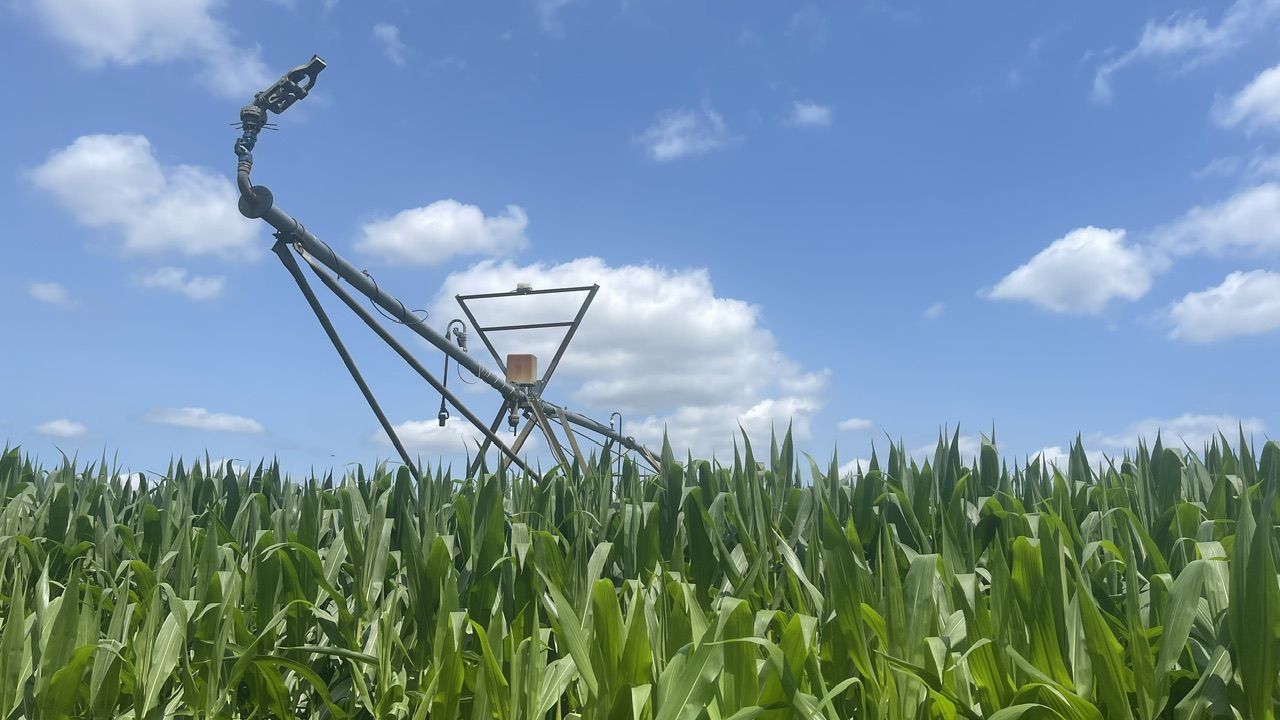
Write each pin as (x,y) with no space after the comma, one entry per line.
(526,326)
(413,362)
(484,447)
(568,336)
(552,441)
(321,252)
(573,443)
(508,293)
(484,337)
(281,249)
(553,410)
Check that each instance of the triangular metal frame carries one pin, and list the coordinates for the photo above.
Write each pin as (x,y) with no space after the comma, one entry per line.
(533,413)
(572,325)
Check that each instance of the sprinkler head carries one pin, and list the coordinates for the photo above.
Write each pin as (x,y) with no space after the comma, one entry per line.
(443,417)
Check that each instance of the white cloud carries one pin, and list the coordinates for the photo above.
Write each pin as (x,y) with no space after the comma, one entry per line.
(1257,105)
(1056,455)
(458,441)
(1194,430)
(219,467)
(62,428)
(201,419)
(1249,221)
(1225,166)
(133,32)
(1083,271)
(52,293)
(855,424)
(1264,166)
(934,311)
(1259,166)
(853,466)
(388,36)
(805,113)
(1190,38)
(1080,273)
(115,182)
(442,230)
(427,437)
(968,445)
(1245,303)
(680,133)
(178,280)
(657,345)
(709,430)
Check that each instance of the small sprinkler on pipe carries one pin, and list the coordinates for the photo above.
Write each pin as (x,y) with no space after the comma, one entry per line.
(255,200)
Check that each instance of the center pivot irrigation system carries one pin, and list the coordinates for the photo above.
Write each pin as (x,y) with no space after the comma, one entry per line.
(519,384)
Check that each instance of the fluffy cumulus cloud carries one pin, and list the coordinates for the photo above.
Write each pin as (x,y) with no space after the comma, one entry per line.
(684,132)
(1083,271)
(388,36)
(62,428)
(1080,273)
(443,230)
(657,345)
(1191,429)
(199,418)
(1248,221)
(178,280)
(855,424)
(52,293)
(1189,38)
(133,32)
(1245,303)
(115,183)
(1255,106)
(805,113)
(455,439)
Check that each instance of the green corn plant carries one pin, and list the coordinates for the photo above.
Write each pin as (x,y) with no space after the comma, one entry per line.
(769,586)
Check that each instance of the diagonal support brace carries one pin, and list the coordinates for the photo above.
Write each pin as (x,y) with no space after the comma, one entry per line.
(281,249)
(412,361)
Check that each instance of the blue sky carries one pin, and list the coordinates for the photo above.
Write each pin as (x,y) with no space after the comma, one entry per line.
(870,218)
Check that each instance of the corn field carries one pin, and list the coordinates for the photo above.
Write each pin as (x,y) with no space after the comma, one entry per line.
(1144,588)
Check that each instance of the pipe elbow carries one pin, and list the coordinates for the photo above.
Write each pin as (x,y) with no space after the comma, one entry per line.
(242,177)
